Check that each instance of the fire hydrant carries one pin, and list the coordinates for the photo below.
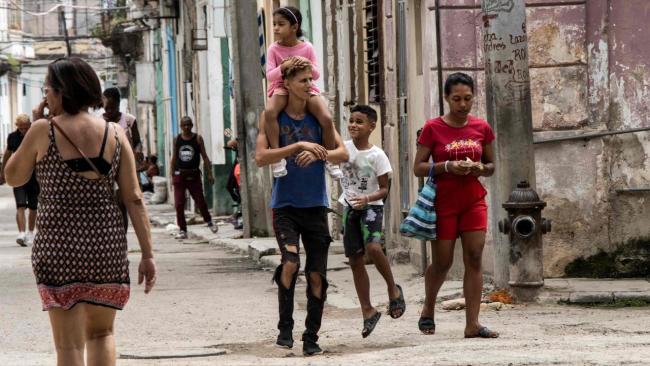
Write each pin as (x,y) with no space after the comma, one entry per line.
(525,227)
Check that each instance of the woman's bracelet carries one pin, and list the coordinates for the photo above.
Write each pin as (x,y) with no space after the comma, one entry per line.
(446,170)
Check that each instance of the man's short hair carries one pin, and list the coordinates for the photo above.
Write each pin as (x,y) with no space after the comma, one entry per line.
(291,71)
(367,110)
(22,118)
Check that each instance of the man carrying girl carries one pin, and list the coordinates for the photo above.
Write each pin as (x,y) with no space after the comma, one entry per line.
(299,202)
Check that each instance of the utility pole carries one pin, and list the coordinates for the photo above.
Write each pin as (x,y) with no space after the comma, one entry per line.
(507,82)
(249,104)
(66,37)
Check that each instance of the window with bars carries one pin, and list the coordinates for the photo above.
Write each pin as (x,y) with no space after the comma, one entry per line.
(15,19)
(372,50)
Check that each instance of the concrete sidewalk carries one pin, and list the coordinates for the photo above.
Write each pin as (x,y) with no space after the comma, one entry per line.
(264,250)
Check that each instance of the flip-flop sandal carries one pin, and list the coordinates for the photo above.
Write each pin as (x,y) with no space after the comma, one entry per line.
(397,304)
(369,324)
(427,325)
(484,332)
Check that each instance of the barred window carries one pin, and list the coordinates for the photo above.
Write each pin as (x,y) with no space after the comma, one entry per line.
(372,50)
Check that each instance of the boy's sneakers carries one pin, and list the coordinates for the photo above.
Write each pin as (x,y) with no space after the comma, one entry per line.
(29,238)
(279,169)
(310,348)
(334,170)
(20,239)
(181,235)
(214,228)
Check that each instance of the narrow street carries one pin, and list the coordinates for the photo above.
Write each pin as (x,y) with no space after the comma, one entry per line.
(214,307)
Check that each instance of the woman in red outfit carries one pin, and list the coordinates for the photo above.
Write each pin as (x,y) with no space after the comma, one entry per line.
(461,147)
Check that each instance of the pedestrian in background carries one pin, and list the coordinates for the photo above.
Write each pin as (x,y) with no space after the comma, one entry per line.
(461,147)
(151,170)
(365,186)
(26,195)
(79,256)
(186,175)
(233,186)
(299,203)
(111,103)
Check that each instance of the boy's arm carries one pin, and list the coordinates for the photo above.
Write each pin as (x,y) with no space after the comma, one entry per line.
(340,154)
(383,189)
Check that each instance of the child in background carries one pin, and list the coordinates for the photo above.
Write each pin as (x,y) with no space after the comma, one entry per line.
(365,185)
(286,28)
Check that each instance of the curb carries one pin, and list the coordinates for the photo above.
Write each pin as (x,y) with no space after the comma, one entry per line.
(266,253)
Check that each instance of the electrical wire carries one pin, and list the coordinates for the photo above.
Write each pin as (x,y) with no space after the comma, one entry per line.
(57,6)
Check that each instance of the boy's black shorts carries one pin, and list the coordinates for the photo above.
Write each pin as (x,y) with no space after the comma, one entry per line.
(361,227)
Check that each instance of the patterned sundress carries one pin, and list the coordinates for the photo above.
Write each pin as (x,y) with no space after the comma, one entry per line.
(80,249)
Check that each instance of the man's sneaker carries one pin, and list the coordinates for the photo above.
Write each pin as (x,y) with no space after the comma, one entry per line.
(181,235)
(20,239)
(279,169)
(310,348)
(285,339)
(29,238)
(334,170)
(214,228)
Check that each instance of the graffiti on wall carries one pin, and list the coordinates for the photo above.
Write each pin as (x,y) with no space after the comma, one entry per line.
(498,6)
(507,57)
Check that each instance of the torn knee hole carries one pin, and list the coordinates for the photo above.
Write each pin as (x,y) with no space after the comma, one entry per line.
(291,257)
(291,248)
(322,283)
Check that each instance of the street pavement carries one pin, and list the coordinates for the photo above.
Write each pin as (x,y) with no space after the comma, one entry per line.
(215,305)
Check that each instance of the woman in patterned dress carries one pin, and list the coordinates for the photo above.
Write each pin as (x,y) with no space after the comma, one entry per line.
(79,256)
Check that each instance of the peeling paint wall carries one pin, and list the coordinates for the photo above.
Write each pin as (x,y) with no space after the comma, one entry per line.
(581,181)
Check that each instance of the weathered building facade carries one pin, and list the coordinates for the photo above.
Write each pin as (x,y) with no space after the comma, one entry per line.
(587,71)
(588,74)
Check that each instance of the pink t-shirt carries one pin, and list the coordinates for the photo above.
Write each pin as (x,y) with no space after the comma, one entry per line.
(277,53)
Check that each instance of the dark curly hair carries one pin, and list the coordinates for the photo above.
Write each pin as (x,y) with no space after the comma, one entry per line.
(370,112)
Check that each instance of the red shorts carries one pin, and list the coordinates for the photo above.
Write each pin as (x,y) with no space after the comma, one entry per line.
(460,207)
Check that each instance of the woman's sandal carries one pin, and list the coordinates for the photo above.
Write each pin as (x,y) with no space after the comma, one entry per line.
(397,304)
(427,325)
(369,324)
(484,332)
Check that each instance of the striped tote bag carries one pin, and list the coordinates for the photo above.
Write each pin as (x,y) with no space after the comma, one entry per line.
(421,220)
